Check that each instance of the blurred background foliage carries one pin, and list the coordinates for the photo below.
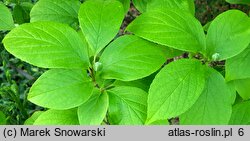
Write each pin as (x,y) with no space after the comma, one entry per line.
(16,77)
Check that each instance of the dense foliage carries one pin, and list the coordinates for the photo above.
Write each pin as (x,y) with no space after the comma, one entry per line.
(164,66)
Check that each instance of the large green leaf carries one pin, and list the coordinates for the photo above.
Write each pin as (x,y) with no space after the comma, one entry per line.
(240,115)
(2,118)
(58,117)
(243,88)
(239,1)
(130,58)
(173,28)
(33,118)
(90,52)
(61,89)
(228,34)
(126,5)
(6,20)
(238,67)
(127,106)
(48,45)
(175,89)
(100,21)
(185,5)
(141,5)
(215,100)
(64,11)
(94,110)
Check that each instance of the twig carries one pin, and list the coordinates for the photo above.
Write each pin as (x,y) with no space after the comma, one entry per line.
(23,73)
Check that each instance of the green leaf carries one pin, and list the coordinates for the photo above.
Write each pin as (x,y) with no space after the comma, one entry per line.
(141,5)
(228,34)
(58,117)
(65,11)
(90,52)
(243,88)
(48,45)
(2,118)
(6,20)
(233,91)
(129,58)
(172,28)
(206,26)
(94,110)
(127,106)
(185,5)
(238,67)
(215,100)
(21,13)
(170,53)
(160,122)
(33,118)
(240,115)
(238,1)
(136,83)
(143,83)
(175,89)
(61,89)
(100,21)
(126,5)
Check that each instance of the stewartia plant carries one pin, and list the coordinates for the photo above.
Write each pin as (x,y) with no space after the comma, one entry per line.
(79,88)
(190,88)
(96,77)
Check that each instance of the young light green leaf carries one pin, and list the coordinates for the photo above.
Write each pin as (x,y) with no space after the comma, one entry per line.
(243,88)
(141,5)
(215,100)
(173,28)
(240,115)
(2,118)
(175,89)
(128,53)
(100,21)
(63,11)
(94,110)
(6,20)
(33,118)
(61,89)
(127,106)
(238,67)
(228,34)
(185,5)
(48,45)
(58,117)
